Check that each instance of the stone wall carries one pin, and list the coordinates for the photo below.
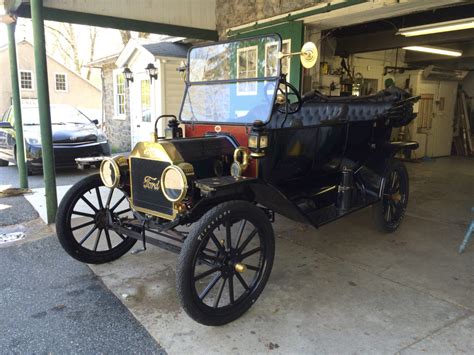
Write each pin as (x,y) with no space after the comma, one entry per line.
(117,130)
(230,13)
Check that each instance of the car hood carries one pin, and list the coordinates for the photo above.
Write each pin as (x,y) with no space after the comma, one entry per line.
(67,133)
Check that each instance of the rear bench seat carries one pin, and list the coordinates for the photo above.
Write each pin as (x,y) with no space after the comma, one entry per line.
(313,113)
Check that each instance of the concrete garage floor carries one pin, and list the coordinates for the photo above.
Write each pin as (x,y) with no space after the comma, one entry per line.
(344,288)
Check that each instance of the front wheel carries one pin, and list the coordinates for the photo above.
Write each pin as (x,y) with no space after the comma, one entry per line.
(225,262)
(389,212)
(82,222)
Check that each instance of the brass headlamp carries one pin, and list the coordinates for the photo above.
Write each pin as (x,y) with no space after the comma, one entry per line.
(258,140)
(113,171)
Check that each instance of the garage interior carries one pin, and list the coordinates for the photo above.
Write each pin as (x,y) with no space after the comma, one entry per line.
(365,58)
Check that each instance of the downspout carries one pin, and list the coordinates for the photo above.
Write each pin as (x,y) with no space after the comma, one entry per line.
(20,142)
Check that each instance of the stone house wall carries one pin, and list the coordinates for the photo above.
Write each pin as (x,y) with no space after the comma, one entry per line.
(117,130)
(230,13)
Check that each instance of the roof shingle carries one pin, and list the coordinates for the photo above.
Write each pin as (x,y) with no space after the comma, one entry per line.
(167,49)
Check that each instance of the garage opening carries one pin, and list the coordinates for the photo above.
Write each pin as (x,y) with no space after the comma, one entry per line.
(428,54)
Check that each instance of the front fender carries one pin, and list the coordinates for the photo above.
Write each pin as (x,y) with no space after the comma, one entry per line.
(226,188)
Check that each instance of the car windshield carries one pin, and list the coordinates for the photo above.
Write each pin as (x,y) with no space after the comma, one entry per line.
(60,114)
(233,82)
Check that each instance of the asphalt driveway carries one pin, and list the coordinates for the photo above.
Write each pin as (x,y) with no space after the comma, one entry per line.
(53,304)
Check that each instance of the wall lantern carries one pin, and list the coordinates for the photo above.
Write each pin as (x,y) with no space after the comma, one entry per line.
(128,75)
(152,71)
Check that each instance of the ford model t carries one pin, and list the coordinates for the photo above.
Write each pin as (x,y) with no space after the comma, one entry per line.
(246,145)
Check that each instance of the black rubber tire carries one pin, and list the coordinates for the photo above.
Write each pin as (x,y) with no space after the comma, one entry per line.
(29,169)
(379,209)
(65,235)
(3,162)
(31,172)
(184,274)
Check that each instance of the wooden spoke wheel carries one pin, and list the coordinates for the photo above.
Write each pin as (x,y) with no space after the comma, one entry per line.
(82,222)
(389,212)
(225,262)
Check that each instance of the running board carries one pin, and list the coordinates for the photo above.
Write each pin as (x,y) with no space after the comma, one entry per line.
(330,213)
(153,240)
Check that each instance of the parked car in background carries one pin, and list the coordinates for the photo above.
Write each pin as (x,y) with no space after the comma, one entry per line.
(74,136)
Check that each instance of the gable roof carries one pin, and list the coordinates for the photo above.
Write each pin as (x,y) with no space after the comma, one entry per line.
(167,49)
(152,50)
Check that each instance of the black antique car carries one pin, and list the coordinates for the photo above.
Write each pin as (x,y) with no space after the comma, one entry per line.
(251,147)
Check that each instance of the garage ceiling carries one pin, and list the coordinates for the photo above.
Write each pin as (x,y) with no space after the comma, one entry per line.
(381,35)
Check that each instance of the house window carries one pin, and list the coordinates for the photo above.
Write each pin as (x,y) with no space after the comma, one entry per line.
(271,61)
(26,79)
(119,89)
(61,82)
(145,100)
(247,68)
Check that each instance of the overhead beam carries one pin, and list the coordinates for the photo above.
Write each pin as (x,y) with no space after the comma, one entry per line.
(88,19)
(379,41)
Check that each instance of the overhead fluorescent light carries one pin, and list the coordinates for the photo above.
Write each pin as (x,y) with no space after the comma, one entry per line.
(434,50)
(439,27)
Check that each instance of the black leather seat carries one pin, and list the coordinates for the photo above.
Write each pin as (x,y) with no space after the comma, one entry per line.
(318,109)
(313,113)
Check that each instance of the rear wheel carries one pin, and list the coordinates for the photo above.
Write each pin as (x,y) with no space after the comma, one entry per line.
(389,212)
(82,222)
(225,263)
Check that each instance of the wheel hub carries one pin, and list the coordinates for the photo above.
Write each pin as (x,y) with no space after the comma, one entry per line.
(396,197)
(230,263)
(240,268)
(101,218)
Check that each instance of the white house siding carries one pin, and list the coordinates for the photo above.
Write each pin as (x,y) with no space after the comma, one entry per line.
(174,88)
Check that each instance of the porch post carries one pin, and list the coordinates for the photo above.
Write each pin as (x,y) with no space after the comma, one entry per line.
(49,172)
(16,101)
